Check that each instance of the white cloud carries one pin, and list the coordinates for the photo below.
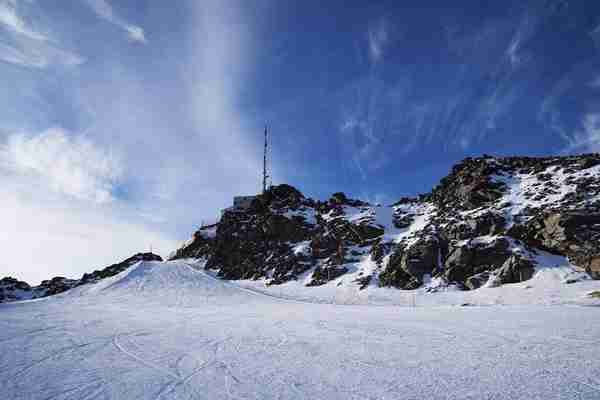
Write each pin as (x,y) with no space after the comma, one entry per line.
(42,237)
(513,49)
(24,46)
(550,114)
(55,210)
(186,162)
(13,21)
(37,55)
(70,164)
(378,38)
(104,10)
(364,123)
(222,54)
(528,26)
(21,57)
(587,139)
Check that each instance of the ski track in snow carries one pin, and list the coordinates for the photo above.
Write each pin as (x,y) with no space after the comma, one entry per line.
(168,331)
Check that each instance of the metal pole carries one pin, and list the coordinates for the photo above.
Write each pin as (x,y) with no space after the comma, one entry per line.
(265,175)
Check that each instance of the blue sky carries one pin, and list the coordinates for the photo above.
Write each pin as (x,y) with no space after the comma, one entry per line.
(124,124)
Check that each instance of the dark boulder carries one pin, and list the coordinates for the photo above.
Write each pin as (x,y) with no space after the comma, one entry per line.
(575,234)
(474,257)
(478,280)
(487,223)
(12,283)
(12,289)
(409,264)
(340,199)
(516,268)
(280,196)
(57,285)
(364,281)
(323,274)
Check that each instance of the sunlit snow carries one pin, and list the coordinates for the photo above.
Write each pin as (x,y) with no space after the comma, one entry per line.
(168,330)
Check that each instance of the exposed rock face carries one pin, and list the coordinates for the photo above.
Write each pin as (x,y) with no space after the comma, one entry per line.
(488,222)
(200,244)
(258,243)
(284,234)
(114,269)
(478,280)
(573,233)
(474,257)
(516,268)
(468,186)
(57,285)
(13,290)
(408,265)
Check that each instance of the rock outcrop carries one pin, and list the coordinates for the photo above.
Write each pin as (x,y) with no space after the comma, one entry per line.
(12,289)
(114,269)
(491,221)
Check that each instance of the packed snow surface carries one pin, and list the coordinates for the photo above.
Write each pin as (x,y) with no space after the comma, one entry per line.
(170,331)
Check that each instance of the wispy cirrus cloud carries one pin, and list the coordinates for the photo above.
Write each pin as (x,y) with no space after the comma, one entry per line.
(204,149)
(513,50)
(378,36)
(363,106)
(24,45)
(70,164)
(40,55)
(587,138)
(457,113)
(104,10)
(364,122)
(78,202)
(595,31)
(524,32)
(10,19)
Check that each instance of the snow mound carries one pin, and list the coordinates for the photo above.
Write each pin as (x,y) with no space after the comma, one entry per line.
(173,282)
(151,276)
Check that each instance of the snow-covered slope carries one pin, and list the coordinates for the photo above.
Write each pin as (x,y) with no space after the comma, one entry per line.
(174,284)
(12,289)
(170,331)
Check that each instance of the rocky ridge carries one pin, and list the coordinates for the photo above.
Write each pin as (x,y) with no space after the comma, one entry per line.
(12,289)
(491,221)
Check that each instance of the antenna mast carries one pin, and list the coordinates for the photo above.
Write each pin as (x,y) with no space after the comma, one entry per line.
(265,171)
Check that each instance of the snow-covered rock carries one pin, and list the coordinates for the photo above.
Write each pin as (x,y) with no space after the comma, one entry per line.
(465,231)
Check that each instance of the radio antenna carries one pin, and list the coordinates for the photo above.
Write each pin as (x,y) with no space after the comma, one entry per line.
(265,167)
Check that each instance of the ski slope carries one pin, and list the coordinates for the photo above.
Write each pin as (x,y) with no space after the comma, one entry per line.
(169,331)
